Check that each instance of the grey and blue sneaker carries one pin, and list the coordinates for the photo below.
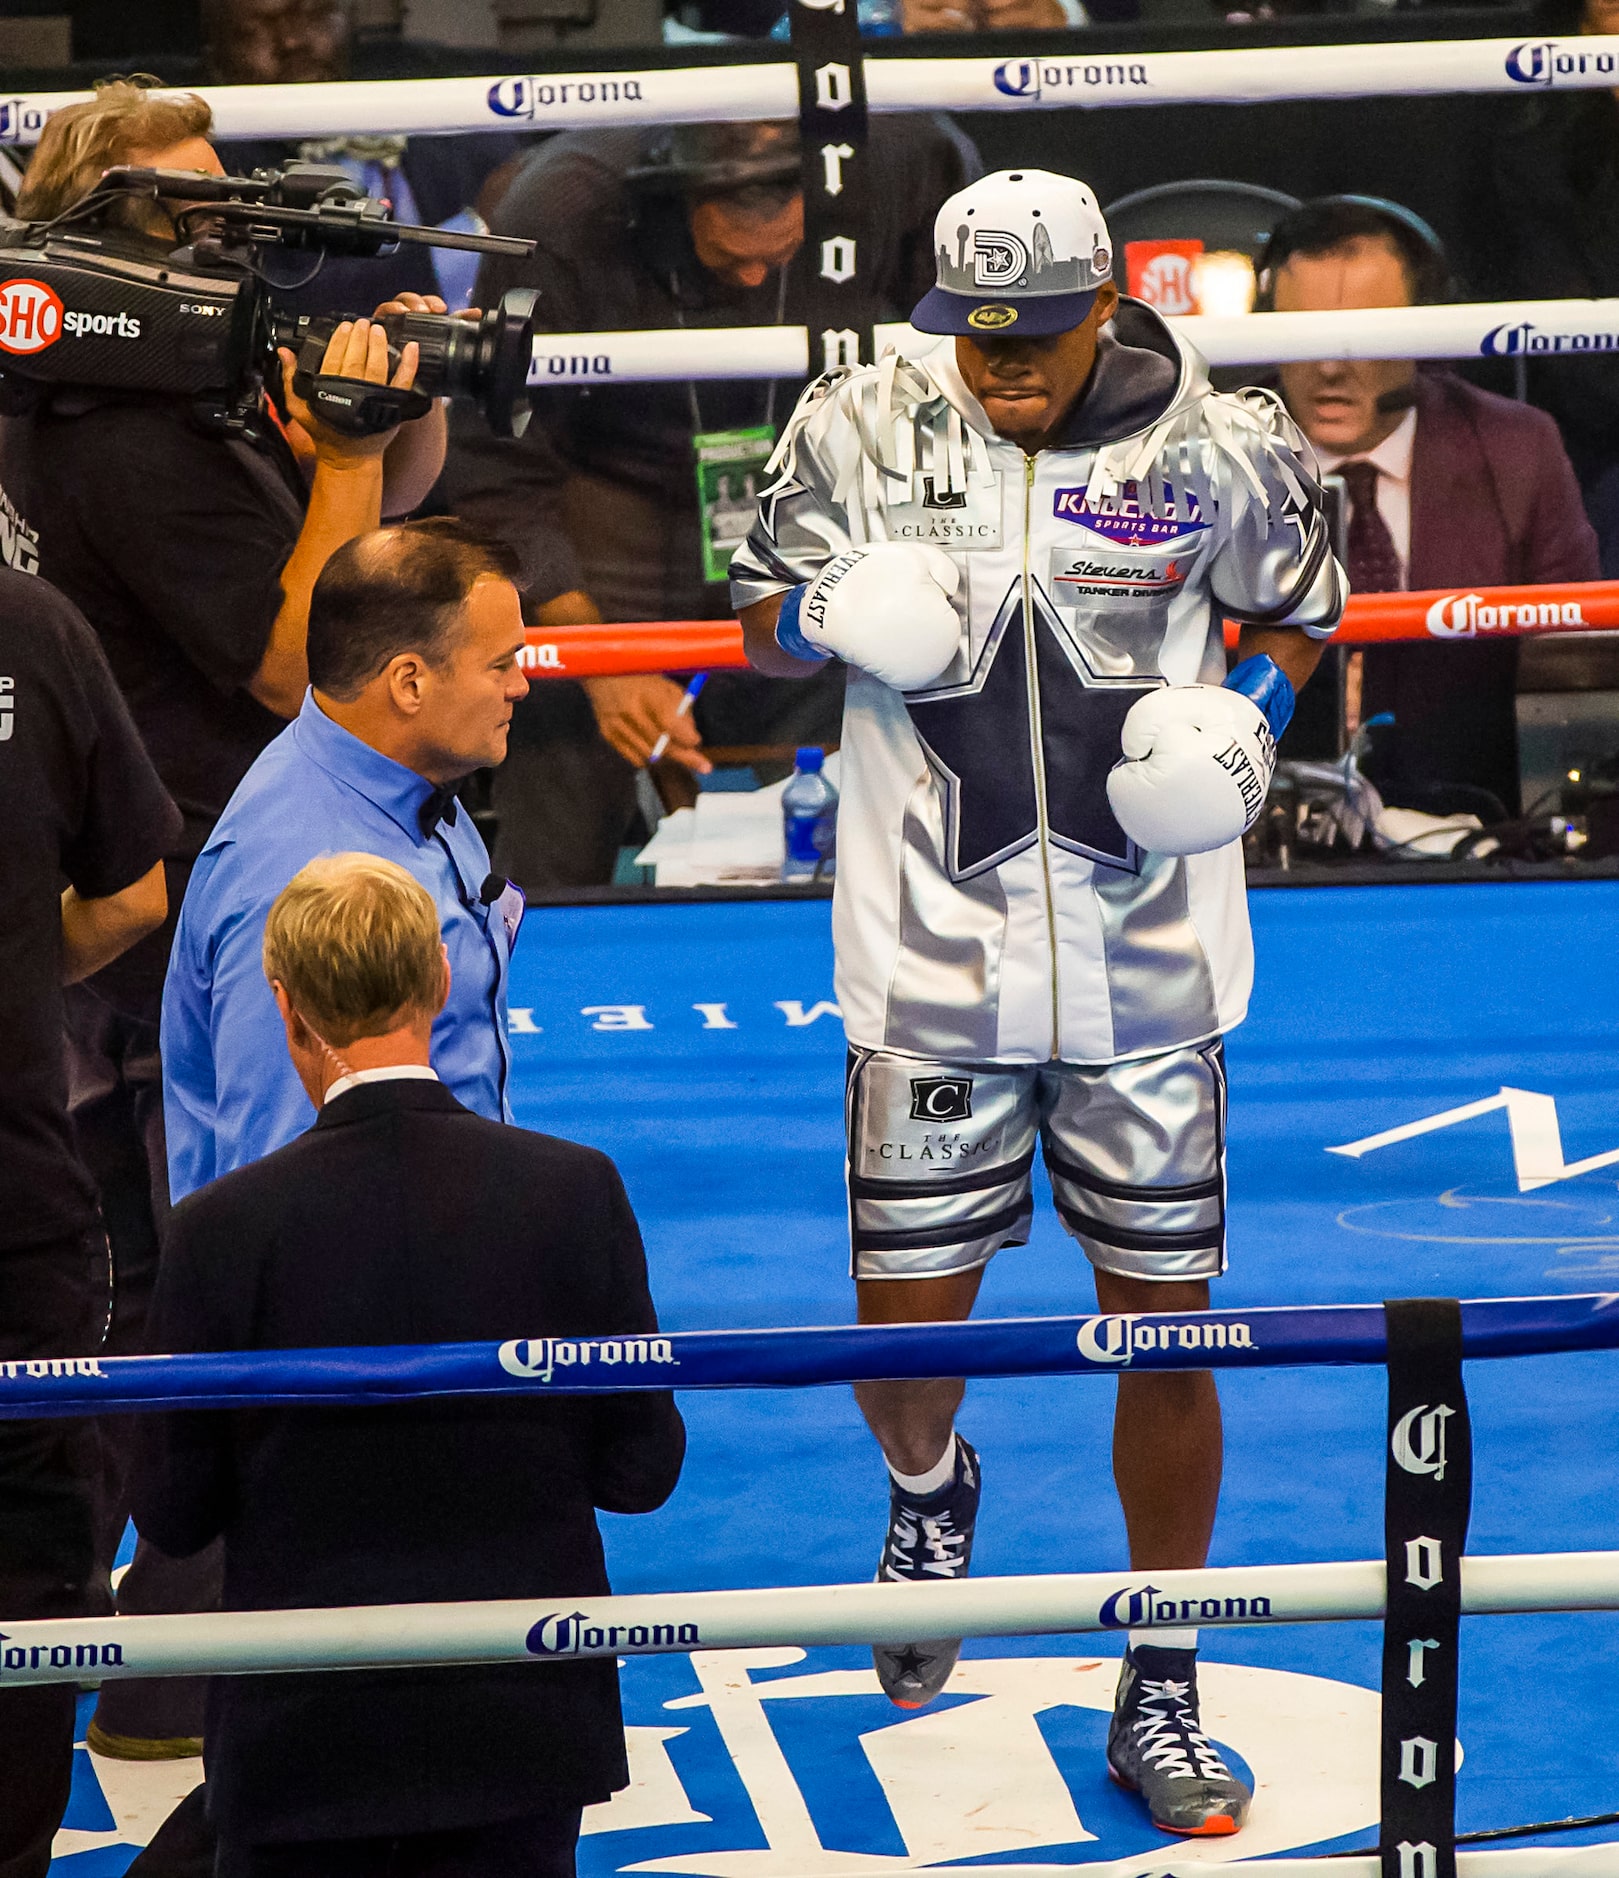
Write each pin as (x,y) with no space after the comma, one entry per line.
(1156,1747)
(928,1539)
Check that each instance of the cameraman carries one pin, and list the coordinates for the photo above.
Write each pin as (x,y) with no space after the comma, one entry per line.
(193,554)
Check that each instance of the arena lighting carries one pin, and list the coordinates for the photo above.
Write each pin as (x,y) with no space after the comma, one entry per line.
(1053,81)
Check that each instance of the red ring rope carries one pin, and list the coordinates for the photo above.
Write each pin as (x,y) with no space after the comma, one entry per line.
(1454,615)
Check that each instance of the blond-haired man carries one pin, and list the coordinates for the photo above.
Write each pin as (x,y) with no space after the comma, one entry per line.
(401,1217)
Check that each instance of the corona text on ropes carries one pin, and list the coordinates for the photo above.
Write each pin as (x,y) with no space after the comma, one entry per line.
(1465,615)
(1117,1339)
(539,1358)
(1027,79)
(532,97)
(59,1655)
(573,1634)
(1136,1605)
(546,656)
(1512,340)
(1545,61)
(35,1366)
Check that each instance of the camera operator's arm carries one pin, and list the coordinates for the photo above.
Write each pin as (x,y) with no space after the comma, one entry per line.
(345,500)
(412,461)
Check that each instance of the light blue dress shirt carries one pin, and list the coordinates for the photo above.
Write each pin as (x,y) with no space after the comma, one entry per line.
(230,1094)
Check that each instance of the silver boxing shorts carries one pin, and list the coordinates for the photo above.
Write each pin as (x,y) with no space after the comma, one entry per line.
(940,1156)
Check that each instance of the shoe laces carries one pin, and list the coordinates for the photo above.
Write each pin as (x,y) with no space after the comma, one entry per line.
(1168,1736)
(928,1543)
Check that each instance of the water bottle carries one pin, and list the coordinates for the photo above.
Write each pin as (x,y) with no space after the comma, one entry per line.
(809,819)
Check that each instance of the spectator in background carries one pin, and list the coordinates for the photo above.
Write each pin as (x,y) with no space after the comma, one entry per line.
(443,182)
(702,226)
(1449,486)
(1557,180)
(84,806)
(401,1217)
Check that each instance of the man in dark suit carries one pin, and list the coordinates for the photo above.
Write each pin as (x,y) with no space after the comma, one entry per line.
(401,1217)
(1449,486)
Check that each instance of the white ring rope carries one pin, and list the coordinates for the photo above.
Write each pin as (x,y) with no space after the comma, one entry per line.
(395,1636)
(1054,81)
(1489,330)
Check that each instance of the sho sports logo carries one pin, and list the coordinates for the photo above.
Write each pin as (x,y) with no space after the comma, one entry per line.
(1465,615)
(529,97)
(1137,1605)
(1512,341)
(1418,1441)
(1027,79)
(539,1358)
(101,325)
(575,1635)
(1116,1340)
(30,316)
(20,121)
(1546,61)
(1121,515)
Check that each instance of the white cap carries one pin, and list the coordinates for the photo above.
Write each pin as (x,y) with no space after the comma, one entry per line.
(1021,251)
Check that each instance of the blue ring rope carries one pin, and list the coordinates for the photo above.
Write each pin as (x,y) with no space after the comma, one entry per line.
(783,1359)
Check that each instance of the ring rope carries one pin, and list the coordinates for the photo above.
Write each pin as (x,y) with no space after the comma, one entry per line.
(1082,76)
(1449,615)
(1506,329)
(1304,1336)
(518,1630)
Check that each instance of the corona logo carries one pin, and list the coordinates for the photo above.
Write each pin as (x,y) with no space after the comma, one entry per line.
(1418,1442)
(1466,615)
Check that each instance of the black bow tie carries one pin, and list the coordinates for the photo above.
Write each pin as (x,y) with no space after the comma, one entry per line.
(439,807)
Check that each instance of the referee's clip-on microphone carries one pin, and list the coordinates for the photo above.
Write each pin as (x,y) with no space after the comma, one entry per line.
(491,890)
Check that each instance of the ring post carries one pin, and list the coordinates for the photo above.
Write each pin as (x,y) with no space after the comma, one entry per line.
(1427,1496)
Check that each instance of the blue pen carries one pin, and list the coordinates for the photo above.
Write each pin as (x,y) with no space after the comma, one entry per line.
(682,709)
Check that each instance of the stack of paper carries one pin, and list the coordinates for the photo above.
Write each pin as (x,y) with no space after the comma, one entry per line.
(732,838)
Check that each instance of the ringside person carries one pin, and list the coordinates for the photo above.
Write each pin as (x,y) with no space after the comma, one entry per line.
(401,1217)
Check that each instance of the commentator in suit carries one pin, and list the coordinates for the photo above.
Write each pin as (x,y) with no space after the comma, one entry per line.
(1449,487)
(401,1217)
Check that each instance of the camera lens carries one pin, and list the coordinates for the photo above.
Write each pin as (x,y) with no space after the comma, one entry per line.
(486,360)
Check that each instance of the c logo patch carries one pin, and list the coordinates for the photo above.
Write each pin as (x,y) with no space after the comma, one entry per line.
(993,318)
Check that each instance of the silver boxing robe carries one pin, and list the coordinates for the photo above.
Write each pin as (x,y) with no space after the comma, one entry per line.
(988,907)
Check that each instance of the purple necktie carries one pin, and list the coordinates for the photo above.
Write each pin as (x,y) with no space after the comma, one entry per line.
(1374,566)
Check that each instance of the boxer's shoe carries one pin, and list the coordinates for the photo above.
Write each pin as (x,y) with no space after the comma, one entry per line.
(928,1540)
(1156,1747)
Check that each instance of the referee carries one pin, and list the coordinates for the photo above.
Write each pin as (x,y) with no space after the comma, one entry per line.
(85,812)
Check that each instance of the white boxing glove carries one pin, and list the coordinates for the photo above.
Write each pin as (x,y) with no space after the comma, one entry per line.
(1196,767)
(885,608)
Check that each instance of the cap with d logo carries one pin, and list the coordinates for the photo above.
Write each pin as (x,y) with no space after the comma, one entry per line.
(1022,251)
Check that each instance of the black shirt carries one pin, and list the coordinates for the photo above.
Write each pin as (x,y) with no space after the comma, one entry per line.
(171,543)
(607,261)
(83,806)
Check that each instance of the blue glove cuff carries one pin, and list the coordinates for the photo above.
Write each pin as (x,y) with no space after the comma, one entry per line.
(1263,682)
(792,641)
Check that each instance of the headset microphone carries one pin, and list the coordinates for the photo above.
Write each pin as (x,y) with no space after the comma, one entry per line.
(1397,398)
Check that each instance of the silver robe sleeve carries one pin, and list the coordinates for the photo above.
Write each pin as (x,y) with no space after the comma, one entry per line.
(1276,566)
(802,523)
